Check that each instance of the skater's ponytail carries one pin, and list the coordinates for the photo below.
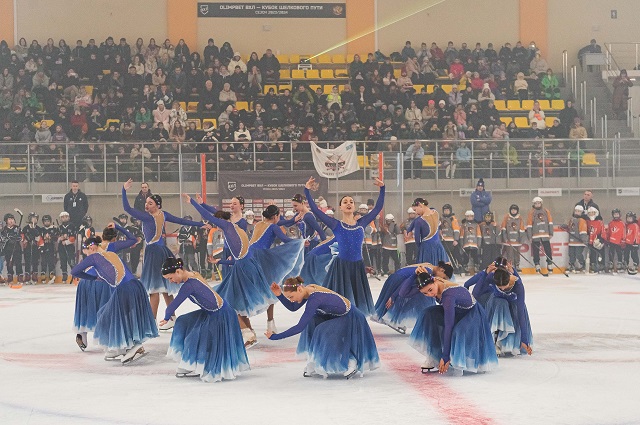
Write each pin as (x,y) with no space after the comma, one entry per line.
(94,240)
(292,284)
(171,265)
(447,268)
(271,211)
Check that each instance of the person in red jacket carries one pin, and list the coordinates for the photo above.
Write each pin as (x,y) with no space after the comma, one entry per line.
(597,236)
(631,241)
(615,237)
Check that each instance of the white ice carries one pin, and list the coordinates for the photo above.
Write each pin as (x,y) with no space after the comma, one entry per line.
(585,369)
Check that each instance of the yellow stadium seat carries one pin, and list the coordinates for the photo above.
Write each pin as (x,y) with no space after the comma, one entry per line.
(294,59)
(266,88)
(106,71)
(183,105)
(328,88)
(506,120)
(340,88)
(89,90)
(557,105)
(447,88)
(192,107)
(363,161)
(350,57)
(544,104)
(313,74)
(283,87)
(430,88)
(285,74)
(326,73)
(429,161)
(462,87)
(283,58)
(5,164)
(197,121)
(341,73)
(242,106)
(397,73)
(501,105)
(213,122)
(513,105)
(527,105)
(324,58)
(297,74)
(418,87)
(314,87)
(590,159)
(549,121)
(521,122)
(338,59)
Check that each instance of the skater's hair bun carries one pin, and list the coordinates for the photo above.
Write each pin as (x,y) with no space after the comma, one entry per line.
(225,215)
(94,240)
(109,234)
(157,199)
(424,279)
(240,200)
(171,265)
(271,211)
(419,201)
(298,198)
(448,268)
(501,277)
(292,284)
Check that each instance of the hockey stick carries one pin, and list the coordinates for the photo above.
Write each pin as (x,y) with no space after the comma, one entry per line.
(21,216)
(453,260)
(519,253)
(552,262)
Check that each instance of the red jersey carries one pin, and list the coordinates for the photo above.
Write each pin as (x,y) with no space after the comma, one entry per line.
(595,229)
(632,233)
(616,232)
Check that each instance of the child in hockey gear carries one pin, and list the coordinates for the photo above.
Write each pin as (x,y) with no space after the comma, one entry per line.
(202,238)
(409,239)
(66,245)
(389,232)
(615,237)
(471,239)
(540,231)
(85,231)
(450,233)
(135,228)
(250,216)
(513,235)
(48,249)
(31,243)
(187,241)
(631,240)
(122,220)
(597,235)
(578,239)
(490,236)
(11,237)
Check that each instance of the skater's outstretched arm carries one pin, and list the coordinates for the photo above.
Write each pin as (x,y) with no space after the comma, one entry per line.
(186,289)
(182,221)
(225,225)
(309,311)
(313,223)
(79,270)
(408,288)
(277,231)
(371,215)
(475,279)
(140,215)
(120,245)
(329,221)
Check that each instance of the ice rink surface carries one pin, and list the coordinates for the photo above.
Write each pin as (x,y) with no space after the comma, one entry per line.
(585,369)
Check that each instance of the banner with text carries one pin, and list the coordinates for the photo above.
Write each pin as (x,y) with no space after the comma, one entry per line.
(260,189)
(272,10)
(334,163)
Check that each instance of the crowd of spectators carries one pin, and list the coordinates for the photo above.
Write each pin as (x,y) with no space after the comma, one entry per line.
(142,87)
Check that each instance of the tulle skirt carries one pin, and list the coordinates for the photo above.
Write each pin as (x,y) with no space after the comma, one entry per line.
(151,277)
(349,279)
(281,261)
(503,318)
(246,288)
(314,269)
(472,348)
(432,251)
(210,344)
(126,319)
(329,342)
(405,311)
(91,295)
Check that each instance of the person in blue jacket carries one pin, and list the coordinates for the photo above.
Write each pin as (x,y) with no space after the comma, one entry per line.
(480,201)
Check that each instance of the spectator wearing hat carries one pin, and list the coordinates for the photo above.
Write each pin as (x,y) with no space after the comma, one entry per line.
(161,115)
(480,201)
(237,61)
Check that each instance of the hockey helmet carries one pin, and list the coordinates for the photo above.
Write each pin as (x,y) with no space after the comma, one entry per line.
(363,207)
(631,215)
(578,208)
(536,199)
(488,215)
(87,220)
(329,212)
(411,211)
(616,211)
(8,216)
(46,217)
(289,214)
(447,207)
(514,207)
(249,213)
(469,213)
(32,215)
(63,214)
(188,217)
(389,217)
(592,212)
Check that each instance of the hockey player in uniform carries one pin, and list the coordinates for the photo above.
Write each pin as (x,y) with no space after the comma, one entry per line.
(389,237)
(187,241)
(631,240)
(513,235)
(122,220)
(450,233)
(11,237)
(540,231)
(85,232)
(250,216)
(66,245)
(597,236)
(48,250)
(490,237)
(202,238)
(31,243)
(409,239)
(471,239)
(134,252)
(615,238)
(578,239)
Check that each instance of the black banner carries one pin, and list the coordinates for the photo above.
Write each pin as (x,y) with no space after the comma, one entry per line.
(272,10)
(262,188)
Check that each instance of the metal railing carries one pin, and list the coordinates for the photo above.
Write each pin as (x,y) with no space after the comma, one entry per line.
(621,55)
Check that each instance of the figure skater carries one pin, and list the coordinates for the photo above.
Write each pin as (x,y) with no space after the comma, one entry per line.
(206,342)
(153,220)
(456,332)
(500,290)
(427,234)
(307,223)
(400,303)
(335,335)
(126,320)
(346,274)
(317,261)
(91,295)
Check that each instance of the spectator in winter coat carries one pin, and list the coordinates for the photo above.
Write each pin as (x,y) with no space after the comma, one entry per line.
(480,201)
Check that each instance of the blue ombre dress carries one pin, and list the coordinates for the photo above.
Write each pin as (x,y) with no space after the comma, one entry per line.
(408,302)
(427,235)
(332,332)
(155,251)
(309,229)
(245,287)
(93,294)
(280,261)
(225,267)
(457,330)
(316,262)
(347,275)
(126,319)
(207,341)
(506,310)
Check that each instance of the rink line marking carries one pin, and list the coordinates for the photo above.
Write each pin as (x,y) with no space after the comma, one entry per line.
(457,409)
(627,293)
(54,413)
